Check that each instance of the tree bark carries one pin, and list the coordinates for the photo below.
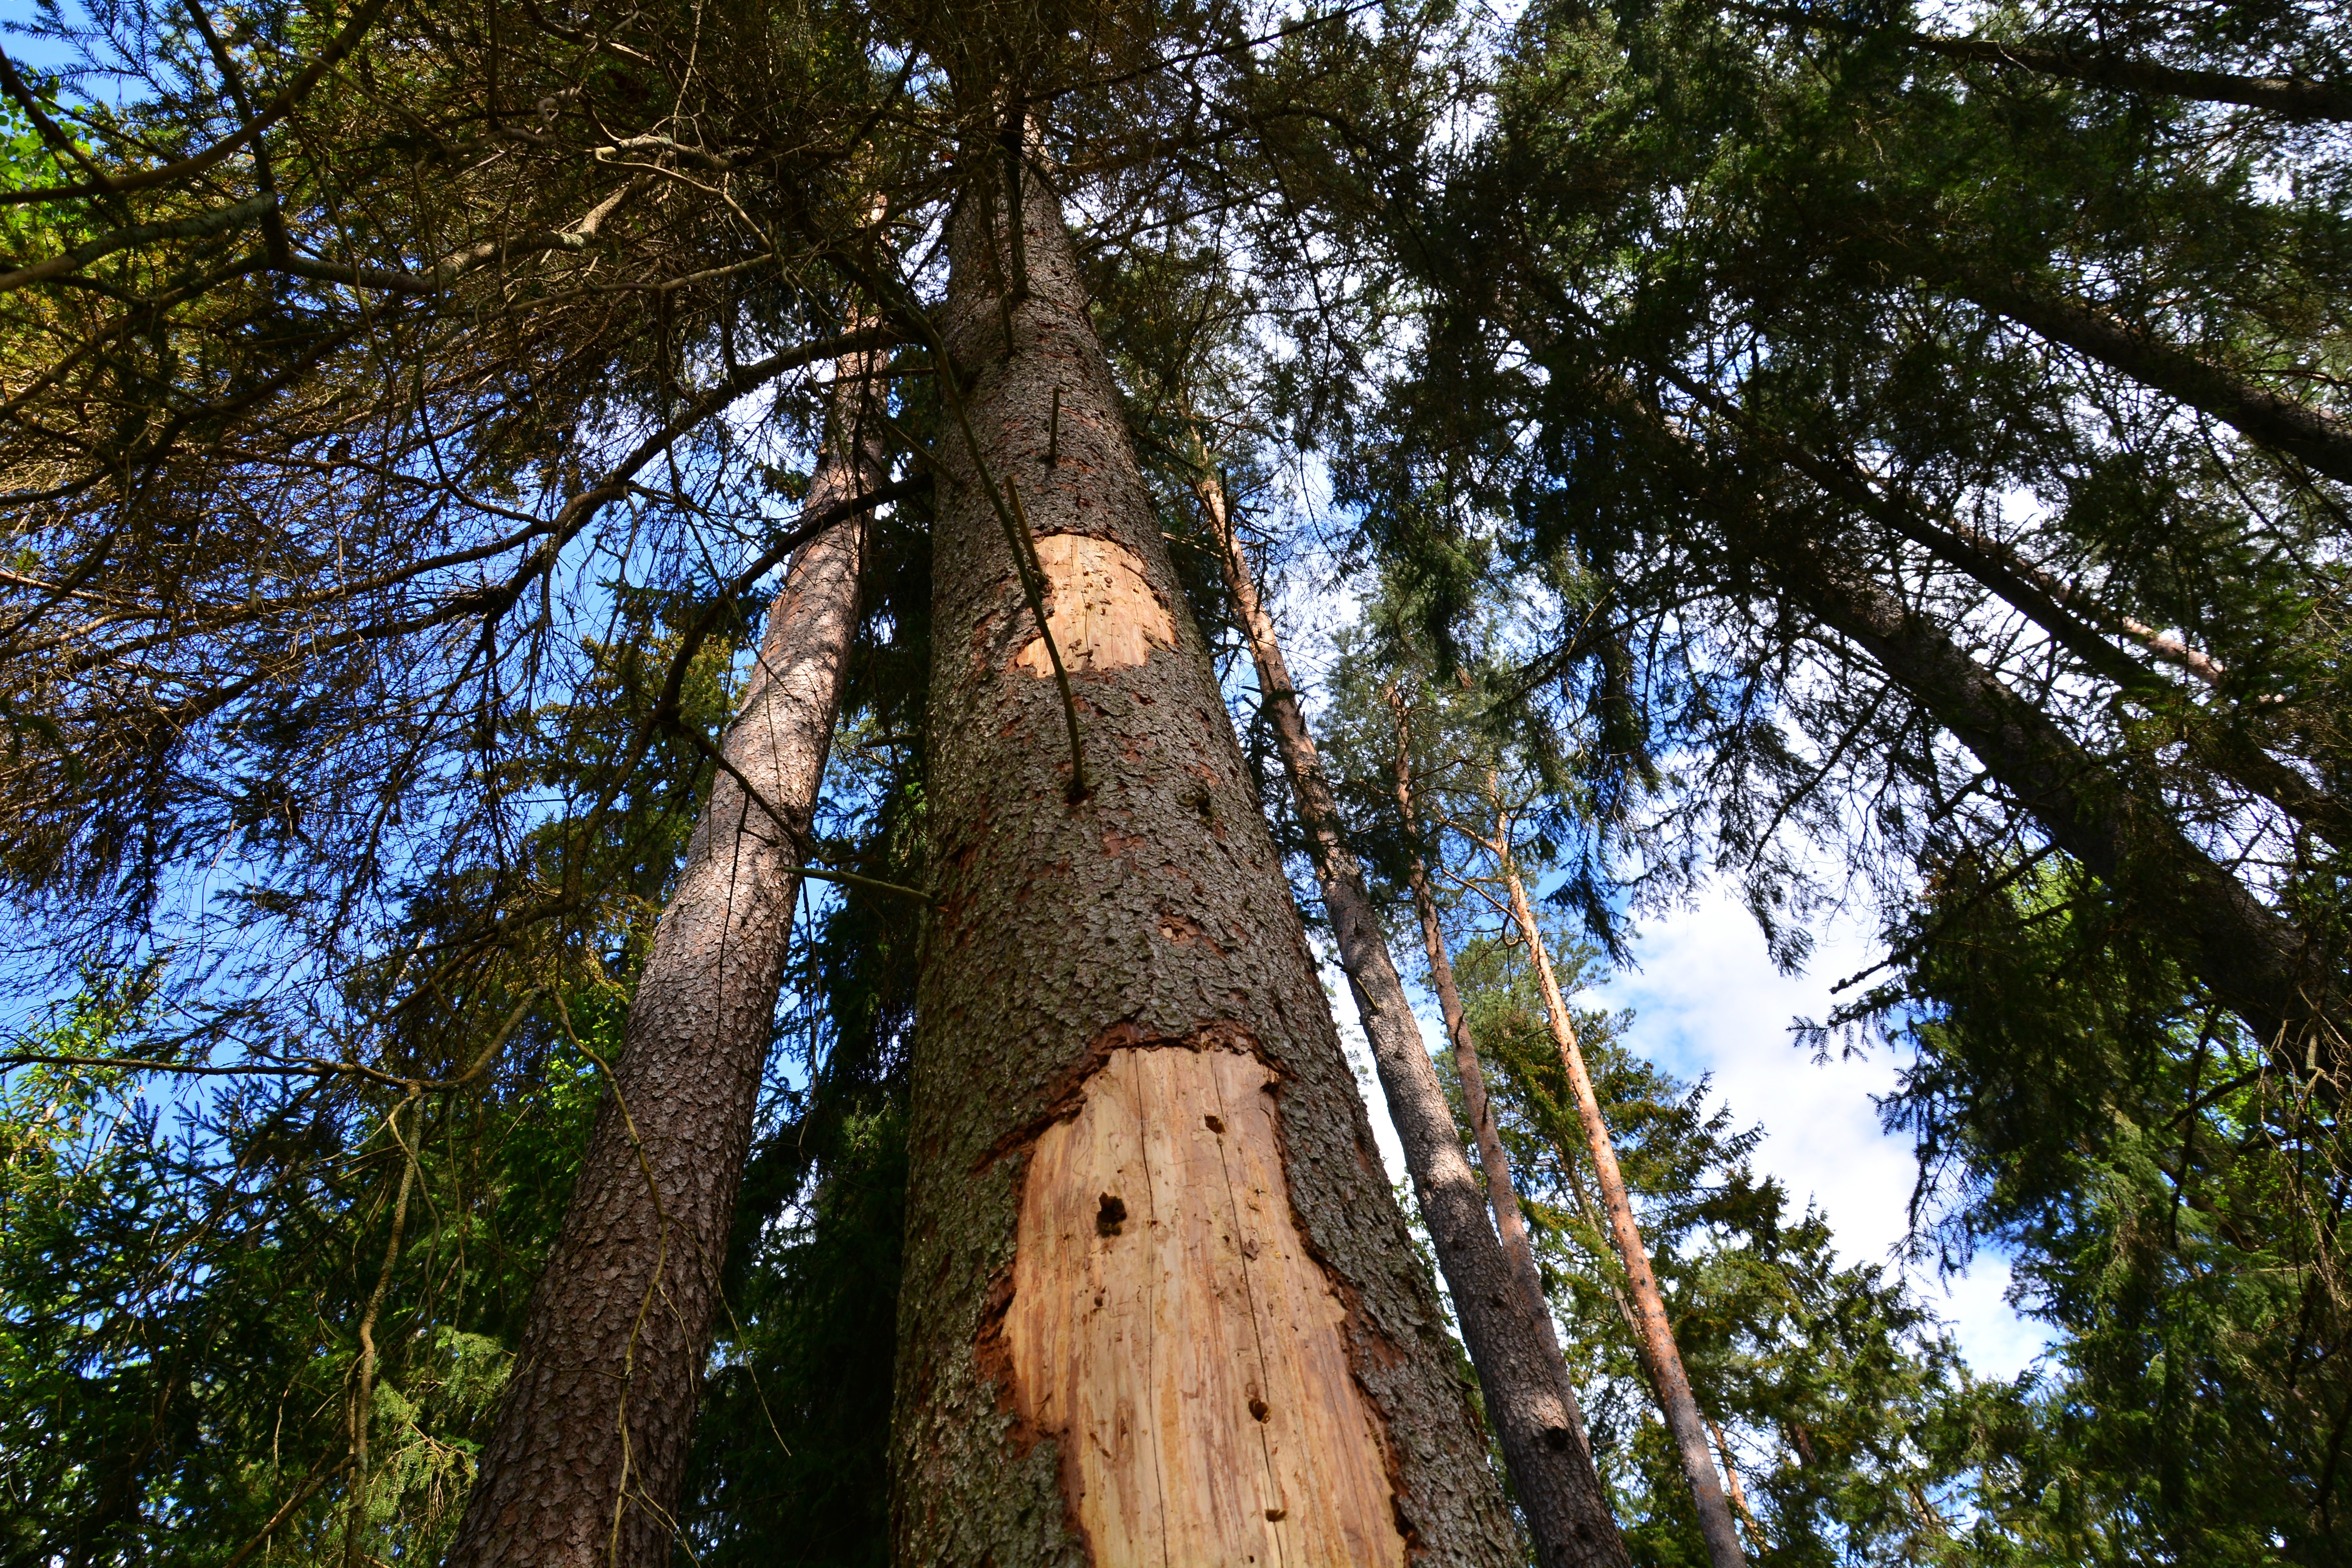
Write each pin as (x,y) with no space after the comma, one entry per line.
(1510,1220)
(585,1462)
(2257,413)
(1674,1398)
(1498,1301)
(1159,1304)
(1738,1493)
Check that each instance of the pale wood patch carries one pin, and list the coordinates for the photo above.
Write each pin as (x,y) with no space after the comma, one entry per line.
(1102,612)
(1169,1328)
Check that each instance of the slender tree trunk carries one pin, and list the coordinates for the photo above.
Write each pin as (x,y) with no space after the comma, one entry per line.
(1674,1397)
(590,1446)
(2260,415)
(1510,1219)
(1498,1301)
(1504,1197)
(1738,1493)
(1159,1305)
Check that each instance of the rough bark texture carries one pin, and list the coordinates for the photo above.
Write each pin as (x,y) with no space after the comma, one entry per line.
(2254,411)
(2257,963)
(1497,1300)
(1149,918)
(591,1442)
(1665,1358)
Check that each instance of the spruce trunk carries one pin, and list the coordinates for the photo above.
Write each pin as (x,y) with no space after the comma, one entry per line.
(584,1463)
(1160,1306)
(1674,1398)
(1498,1299)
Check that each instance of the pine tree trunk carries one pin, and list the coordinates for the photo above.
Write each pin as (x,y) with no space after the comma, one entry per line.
(1159,1305)
(585,1462)
(1674,1398)
(1510,1219)
(1498,1299)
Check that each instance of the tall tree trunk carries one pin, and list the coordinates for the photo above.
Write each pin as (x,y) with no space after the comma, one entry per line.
(2257,963)
(1738,1493)
(1504,1321)
(1159,1305)
(583,1463)
(2295,98)
(1665,1358)
(2267,418)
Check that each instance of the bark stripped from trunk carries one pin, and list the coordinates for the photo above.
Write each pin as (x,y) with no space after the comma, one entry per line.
(1498,1299)
(1665,1358)
(584,1463)
(1159,1306)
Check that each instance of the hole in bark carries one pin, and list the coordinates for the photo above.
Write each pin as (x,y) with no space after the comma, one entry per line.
(1110,1217)
(1213,1123)
(1258,1408)
(1276,1512)
(1555,1438)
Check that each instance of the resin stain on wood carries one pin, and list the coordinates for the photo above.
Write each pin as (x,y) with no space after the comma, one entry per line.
(1102,612)
(1168,1327)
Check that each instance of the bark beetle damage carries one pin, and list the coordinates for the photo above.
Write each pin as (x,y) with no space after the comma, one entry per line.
(1099,605)
(1164,1318)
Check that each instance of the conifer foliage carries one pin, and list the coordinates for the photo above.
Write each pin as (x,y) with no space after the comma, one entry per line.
(1857,457)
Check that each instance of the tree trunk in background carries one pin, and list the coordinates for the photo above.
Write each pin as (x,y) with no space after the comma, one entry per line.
(2257,963)
(1159,1305)
(1738,1493)
(591,1442)
(2270,418)
(1674,1398)
(1509,1218)
(1496,1299)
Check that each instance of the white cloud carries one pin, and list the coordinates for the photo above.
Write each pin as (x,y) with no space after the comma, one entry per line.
(1708,1001)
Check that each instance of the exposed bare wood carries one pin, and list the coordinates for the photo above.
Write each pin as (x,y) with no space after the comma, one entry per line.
(1169,1327)
(1101,611)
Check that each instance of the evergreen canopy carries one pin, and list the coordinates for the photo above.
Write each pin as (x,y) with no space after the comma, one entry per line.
(1863,457)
